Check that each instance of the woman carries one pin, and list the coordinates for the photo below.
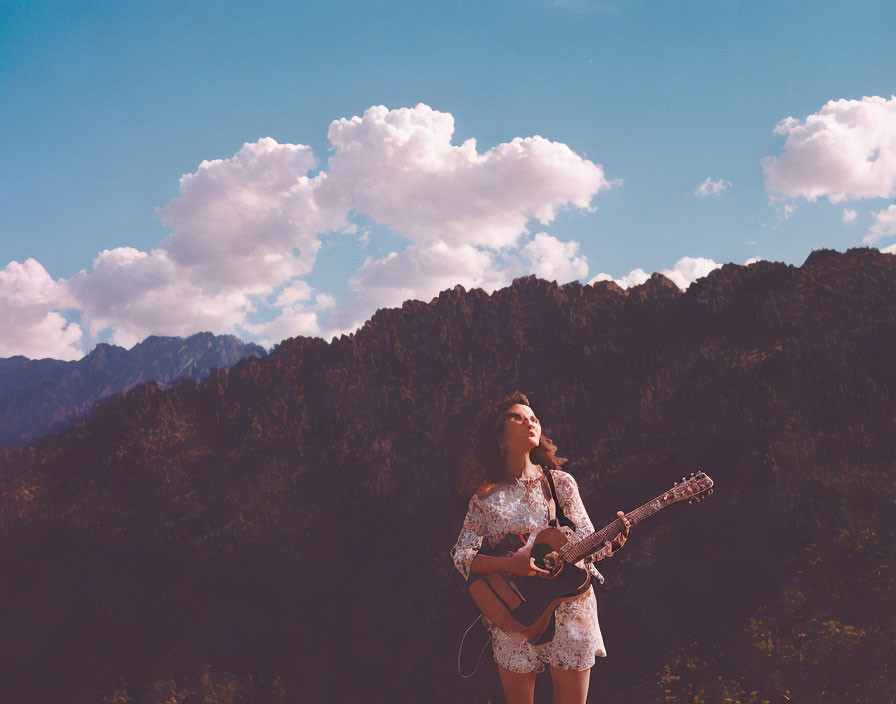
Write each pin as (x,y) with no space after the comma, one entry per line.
(506,498)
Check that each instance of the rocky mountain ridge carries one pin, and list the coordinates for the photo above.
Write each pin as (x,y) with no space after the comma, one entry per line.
(259,532)
(41,395)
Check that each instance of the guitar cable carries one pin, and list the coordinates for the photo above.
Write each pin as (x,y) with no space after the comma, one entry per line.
(460,650)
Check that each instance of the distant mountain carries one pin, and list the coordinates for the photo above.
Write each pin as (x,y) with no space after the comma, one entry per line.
(41,395)
(280,531)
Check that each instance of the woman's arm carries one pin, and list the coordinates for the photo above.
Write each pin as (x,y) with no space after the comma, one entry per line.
(466,551)
(571,501)
(521,563)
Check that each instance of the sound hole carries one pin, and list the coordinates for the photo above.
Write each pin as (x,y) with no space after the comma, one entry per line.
(546,558)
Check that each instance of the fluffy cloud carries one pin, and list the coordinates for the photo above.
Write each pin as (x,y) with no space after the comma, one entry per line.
(422,270)
(419,272)
(241,228)
(849,216)
(136,294)
(246,229)
(400,168)
(251,221)
(884,225)
(847,150)
(555,260)
(688,269)
(635,277)
(711,188)
(297,315)
(32,326)
(683,273)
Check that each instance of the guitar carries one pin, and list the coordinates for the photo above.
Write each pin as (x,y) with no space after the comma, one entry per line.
(526,604)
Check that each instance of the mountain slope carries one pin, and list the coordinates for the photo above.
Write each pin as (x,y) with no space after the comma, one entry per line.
(287,521)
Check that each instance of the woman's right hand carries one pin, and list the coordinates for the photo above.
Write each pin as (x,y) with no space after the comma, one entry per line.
(523,564)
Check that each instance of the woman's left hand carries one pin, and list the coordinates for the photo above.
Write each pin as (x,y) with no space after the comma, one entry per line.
(611,547)
(626,527)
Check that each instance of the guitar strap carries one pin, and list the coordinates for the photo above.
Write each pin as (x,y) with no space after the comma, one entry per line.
(556,515)
(555,510)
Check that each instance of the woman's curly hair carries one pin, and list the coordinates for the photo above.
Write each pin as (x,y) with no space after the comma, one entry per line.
(486,468)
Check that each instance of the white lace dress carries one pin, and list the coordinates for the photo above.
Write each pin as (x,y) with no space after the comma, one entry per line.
(520,507)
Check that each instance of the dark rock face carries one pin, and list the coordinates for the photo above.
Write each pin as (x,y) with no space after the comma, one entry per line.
(280,531)
(41,395)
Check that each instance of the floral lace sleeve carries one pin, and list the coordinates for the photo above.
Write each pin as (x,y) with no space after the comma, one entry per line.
(571,503)
(470,539)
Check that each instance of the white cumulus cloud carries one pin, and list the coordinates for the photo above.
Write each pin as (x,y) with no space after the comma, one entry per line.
(884,225)
(635,277)
(711,188)
(400,168)
(136,294)
(423,269)
(30,301)
(418,272)
(849,216)
(251,221)
(847,150)
(688,269)
(297,315)
(555,260)
(683,273)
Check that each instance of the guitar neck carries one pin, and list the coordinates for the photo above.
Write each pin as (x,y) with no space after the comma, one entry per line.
(596,540)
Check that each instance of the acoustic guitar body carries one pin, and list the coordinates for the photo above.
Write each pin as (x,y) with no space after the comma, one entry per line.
(526,604)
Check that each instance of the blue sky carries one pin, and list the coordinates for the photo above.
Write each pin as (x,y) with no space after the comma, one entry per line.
(106,105)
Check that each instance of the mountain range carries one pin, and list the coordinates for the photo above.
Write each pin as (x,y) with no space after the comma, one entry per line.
(280,531)
(44,395)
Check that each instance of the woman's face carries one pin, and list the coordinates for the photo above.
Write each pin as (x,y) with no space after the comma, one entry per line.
(522,431)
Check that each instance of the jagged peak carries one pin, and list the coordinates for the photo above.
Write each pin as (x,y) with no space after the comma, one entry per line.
(521,281)
(657,286)
(822,257)
(153,341)
(531,282)
(831,257)
(203,336)
(101,354)
(451,293)
(609,286)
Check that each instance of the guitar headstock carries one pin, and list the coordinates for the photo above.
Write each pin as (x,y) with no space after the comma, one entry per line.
(697,488)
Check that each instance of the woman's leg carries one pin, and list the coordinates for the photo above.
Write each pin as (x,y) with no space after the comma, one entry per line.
(570,686)
(519,687)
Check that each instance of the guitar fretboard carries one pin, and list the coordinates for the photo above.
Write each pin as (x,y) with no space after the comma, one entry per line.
(573,552)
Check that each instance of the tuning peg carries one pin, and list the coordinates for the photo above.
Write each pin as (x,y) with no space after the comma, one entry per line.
(692,474)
